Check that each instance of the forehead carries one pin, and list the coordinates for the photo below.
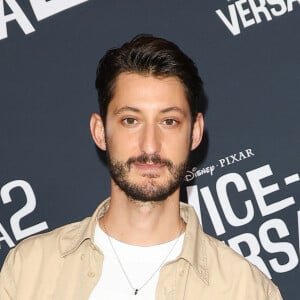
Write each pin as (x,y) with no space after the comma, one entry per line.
(146,91)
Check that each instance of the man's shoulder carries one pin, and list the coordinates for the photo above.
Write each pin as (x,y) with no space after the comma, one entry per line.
(55,244)
(225,263)
(51,241)
(216,253)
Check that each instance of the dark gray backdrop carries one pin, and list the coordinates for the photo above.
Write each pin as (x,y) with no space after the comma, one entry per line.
(50,173)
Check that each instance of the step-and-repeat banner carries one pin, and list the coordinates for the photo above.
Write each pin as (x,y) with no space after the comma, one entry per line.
(243,180)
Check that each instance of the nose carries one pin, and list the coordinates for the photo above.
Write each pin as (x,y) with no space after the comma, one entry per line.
(150,142)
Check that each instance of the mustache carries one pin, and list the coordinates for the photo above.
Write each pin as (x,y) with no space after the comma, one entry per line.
(149,158)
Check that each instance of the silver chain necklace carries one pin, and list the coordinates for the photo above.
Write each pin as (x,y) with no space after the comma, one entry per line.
(136,290)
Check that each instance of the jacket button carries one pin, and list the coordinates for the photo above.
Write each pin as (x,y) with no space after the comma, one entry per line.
(91,274)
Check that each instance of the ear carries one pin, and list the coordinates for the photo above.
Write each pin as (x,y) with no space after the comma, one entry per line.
(97,131)
(198,129)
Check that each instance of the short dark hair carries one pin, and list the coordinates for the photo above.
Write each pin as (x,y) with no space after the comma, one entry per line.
(148,55)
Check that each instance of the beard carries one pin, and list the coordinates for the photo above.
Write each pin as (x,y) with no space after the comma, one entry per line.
(151,191)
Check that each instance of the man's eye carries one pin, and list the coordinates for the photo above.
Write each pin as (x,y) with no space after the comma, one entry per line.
(129,121)
(170,122)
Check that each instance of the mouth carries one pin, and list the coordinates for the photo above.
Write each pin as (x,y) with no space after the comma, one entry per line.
(148,167)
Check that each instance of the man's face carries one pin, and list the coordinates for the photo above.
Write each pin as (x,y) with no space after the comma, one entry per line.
(148,136)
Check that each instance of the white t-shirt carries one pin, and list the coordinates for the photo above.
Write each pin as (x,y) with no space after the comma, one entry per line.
(140,263)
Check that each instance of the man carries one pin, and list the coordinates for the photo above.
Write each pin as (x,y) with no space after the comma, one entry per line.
(141,243)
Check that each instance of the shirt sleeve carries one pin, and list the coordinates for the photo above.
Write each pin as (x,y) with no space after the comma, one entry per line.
(6,278)
(275,294)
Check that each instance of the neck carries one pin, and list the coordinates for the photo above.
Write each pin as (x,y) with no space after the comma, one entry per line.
(143,223)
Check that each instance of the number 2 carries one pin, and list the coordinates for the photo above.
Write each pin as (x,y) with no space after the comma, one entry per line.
(28,208)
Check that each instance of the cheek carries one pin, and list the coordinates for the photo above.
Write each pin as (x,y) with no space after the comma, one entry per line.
(178,147)
(120,147)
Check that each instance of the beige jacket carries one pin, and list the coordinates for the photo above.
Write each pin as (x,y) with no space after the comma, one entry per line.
(65,264)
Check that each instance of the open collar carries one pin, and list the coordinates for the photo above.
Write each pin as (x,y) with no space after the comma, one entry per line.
(81,231)
(193,250)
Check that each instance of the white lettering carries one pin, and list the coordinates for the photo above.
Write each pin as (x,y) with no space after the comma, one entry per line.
(290,4)
(44,9)
(298,214)
(260,9)
(236,157)
(24,211)
(272,247)
(250,12)
(243,12)
(212,210)
(233,23)
(278,12)
(255,176)
(221,187)
(17,15)
(5,237)
(249,152)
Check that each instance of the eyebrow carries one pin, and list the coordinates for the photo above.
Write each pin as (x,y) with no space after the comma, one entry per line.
(126,109)
(134,109)
(174,108)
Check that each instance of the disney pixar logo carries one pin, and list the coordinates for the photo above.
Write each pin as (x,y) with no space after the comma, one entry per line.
(223,162)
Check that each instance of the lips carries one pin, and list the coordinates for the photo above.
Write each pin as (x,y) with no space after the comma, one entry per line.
(150,167)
